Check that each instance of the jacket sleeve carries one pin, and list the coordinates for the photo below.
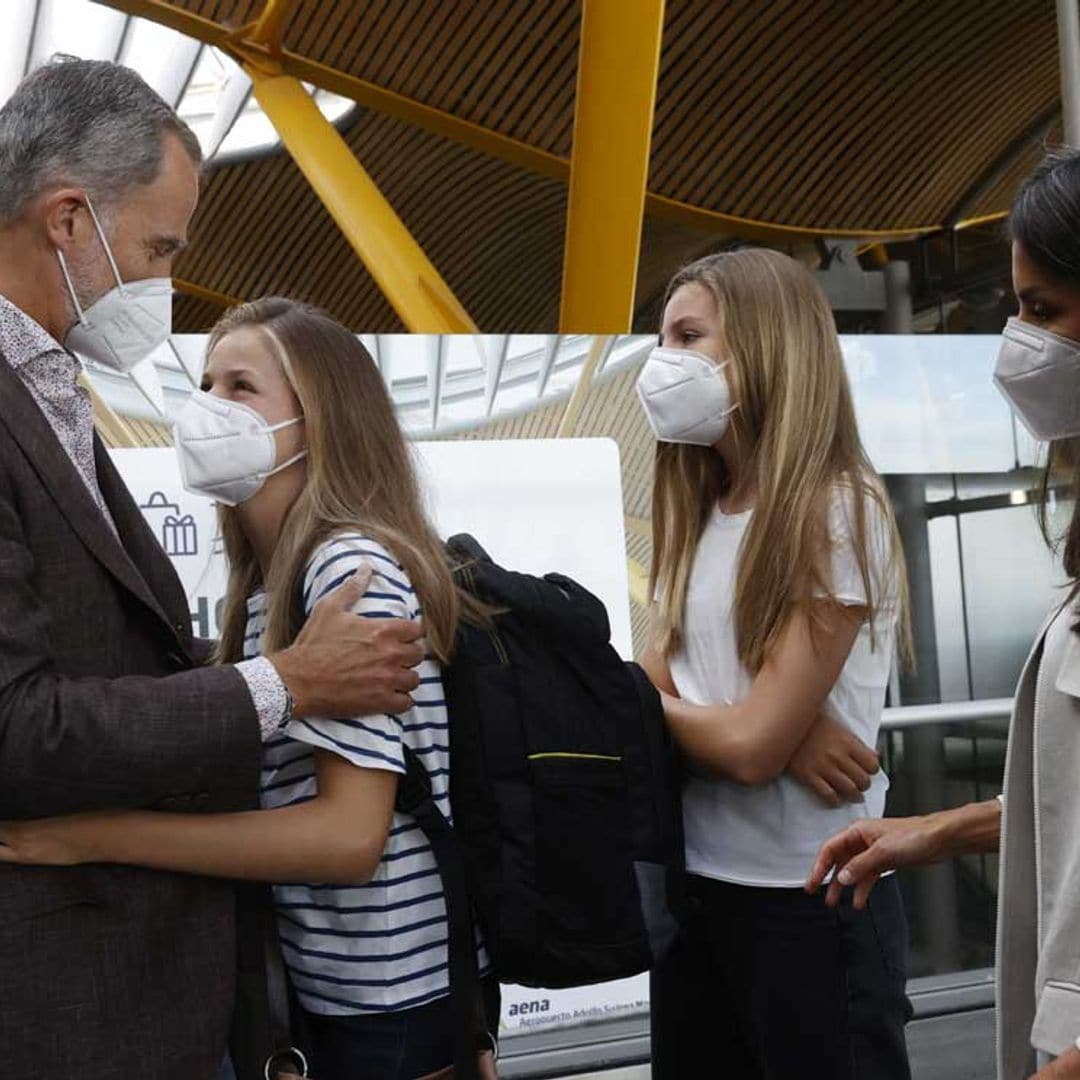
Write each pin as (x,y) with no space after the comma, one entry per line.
(183,741)
(1057,1018)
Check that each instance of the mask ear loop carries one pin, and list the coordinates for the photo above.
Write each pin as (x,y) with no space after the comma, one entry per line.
(296,457)
(104,243)
(71,288)
(108,255)
(284,465)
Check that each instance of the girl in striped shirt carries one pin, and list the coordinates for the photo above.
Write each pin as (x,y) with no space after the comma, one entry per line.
(360,907)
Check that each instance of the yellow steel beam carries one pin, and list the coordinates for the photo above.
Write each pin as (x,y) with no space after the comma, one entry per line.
(568,424)
(639,582)
(369,95)
(200,292)
(385,246)
(486,141)
(982,219)
(114,429)
(618,64)
(268,28)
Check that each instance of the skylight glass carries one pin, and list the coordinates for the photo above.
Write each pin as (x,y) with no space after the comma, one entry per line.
(206,87)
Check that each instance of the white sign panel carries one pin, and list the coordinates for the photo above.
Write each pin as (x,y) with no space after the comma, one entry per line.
(535,505)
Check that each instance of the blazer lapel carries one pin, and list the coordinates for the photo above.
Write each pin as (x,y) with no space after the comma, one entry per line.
(141,545)
(22,416)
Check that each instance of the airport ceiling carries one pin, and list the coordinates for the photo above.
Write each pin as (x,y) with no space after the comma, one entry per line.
(789,122)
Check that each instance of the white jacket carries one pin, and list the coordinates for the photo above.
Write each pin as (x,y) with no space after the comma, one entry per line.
(1038,936)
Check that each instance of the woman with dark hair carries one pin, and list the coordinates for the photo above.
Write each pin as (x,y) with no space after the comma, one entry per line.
(1036,819)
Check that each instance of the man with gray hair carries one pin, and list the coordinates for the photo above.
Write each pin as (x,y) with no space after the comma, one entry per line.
(106,699)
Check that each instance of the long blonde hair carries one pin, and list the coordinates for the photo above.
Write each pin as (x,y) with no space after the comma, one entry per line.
(797,437)
(360,477)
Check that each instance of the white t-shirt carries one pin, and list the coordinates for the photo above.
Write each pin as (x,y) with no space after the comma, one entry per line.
(770,834)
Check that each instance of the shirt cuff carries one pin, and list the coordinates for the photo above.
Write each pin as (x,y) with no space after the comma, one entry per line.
(268,694)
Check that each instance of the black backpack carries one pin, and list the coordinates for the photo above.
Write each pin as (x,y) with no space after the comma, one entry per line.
(565,794)
(564,791)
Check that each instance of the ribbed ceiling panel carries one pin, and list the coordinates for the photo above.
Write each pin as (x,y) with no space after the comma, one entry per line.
(877,115)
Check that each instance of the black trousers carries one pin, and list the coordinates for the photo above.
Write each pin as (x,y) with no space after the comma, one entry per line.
(769,984)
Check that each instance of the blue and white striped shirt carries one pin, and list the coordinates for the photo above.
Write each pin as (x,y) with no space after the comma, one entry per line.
(381,946)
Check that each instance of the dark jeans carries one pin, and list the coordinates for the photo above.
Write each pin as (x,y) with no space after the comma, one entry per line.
(769,984)
(393,1045)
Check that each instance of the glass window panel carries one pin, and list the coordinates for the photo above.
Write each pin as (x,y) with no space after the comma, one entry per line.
(462,354)
(161,56)
(1010,580)
(78,28)
(949,629)
(927,403)
(15,32)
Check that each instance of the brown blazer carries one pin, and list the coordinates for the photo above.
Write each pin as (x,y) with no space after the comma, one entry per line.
(106,972)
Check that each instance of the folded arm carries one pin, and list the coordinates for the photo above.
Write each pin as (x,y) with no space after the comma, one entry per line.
(754,740)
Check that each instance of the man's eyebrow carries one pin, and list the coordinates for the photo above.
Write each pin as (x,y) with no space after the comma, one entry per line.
(1031,292)
(172,244)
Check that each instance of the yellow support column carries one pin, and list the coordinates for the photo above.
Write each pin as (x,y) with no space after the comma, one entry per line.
(598,347)
(618,63)
(385,246)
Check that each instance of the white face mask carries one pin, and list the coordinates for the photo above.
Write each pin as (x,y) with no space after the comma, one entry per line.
(685,396)
(226,449)
(128,323)
(1039,374)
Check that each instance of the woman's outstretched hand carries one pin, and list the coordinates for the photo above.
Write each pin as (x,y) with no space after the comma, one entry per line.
(861,853)
(865,850)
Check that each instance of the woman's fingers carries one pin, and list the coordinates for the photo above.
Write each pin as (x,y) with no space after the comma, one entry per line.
(834,853)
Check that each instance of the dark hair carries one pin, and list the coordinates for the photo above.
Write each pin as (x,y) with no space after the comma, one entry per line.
(1045,218)
(90,123)
(1045,221)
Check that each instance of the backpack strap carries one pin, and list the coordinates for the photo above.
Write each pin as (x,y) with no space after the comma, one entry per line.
(414,797)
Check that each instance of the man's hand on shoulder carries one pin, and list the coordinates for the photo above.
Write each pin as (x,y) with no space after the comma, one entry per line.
(344,665)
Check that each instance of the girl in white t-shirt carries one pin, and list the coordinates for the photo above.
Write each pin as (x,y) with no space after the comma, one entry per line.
(778,588)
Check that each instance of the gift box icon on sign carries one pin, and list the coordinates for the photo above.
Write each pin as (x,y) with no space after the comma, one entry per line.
(177,533)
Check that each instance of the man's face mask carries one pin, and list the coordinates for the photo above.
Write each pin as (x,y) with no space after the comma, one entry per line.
(686,396)
(1039,374)
(128,323)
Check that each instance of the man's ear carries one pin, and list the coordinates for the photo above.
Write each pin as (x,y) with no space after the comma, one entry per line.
(65,217)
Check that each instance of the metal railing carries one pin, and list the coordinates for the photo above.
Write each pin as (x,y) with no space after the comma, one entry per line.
(947,712)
